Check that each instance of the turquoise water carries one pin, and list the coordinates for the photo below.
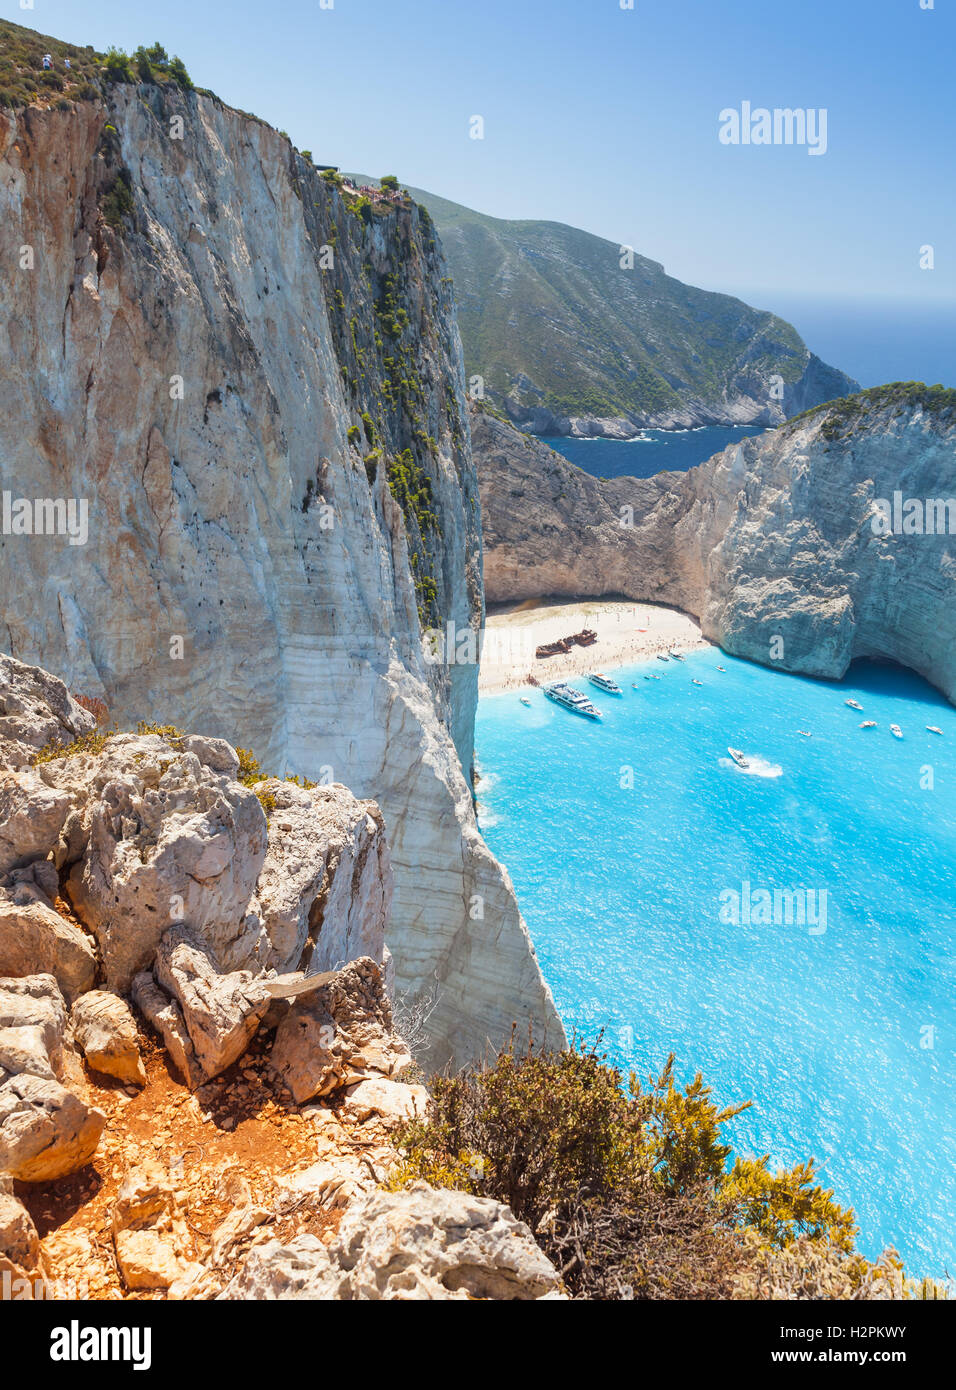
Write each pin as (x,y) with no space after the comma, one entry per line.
(826,1031)
(654,451)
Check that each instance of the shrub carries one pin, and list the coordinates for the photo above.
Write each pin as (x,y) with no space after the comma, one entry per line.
(177,71)
(626,1189)
(390,182)
(118,66)
(118,201)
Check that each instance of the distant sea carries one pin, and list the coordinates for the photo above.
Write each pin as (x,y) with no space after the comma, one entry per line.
(652,452)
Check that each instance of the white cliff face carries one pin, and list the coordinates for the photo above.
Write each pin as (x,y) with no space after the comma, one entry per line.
(772,539)
(199,377)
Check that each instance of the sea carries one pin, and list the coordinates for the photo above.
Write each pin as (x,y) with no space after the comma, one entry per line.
(788,929)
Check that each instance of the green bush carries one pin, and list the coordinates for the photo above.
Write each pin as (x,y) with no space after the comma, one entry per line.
(118,201)
(626,1188)
(118,66)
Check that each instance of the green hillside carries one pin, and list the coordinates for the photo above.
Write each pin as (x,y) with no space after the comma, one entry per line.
(551,321)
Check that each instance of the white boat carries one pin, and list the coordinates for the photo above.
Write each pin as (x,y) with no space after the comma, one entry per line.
(721,668)
(931,728)
(662,658)
(604,682)
(896,731)
(525,702)
(868,724)
(697,682)
(676,656)
(854,704)
(571,699)
(650,678)
(805,733)
(738,757)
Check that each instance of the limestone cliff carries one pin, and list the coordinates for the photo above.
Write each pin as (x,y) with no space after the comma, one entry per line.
(784,535)
(259,397)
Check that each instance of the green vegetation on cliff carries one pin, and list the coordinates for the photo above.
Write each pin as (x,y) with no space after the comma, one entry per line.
(843,416)
(550,319)
(630,1188)
(77,73)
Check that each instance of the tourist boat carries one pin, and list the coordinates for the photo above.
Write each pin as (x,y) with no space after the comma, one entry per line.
(868,724)
(933,729)
(662,658)
(896,731)
(604,682)
(572,699)
(738,757)
(650,678)
(676,656)
(525,702)
(854,704)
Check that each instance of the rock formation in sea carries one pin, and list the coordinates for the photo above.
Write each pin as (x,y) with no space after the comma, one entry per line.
(256,393)
(791,548)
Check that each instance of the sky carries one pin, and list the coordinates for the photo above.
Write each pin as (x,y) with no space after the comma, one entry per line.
(607,118)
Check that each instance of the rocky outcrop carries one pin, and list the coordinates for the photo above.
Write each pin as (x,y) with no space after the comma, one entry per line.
(259,398)
(420,1243)
(337,1034)
(37,940)
(779,545)
(105,1030)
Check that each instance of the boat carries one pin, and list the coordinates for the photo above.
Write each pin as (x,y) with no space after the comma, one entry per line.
(662,658)
(868,724)
(650,678)
(697,682)
(896,731)
(721,668)
(525,702)
(931,728)
(854,704)
(571,699)
(738,757)
(805,733)
(604,682)
(676,656)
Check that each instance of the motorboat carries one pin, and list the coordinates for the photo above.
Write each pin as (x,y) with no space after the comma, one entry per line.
(525,702)
(738,757)
(661,657)
(854,704)
(805,733)
(604,682)
(868,724)
(571,699)
(697,682)
(676,656)
(896,731)
(650,678)
(931,728)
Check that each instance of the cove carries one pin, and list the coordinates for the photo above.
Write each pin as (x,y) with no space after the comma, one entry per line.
(622,837)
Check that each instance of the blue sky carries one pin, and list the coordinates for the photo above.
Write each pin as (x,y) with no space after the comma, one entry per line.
(608,119)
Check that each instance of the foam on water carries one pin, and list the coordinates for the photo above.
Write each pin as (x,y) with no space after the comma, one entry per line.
(622,837)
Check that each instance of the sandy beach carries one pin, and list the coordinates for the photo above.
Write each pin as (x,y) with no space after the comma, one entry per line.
(626,632)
